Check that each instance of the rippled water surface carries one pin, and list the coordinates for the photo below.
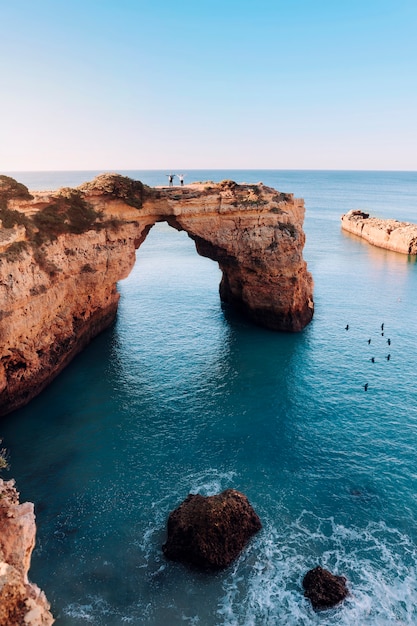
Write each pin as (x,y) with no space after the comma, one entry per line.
(181,396)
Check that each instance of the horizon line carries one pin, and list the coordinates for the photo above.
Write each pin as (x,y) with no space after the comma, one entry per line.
(216,169)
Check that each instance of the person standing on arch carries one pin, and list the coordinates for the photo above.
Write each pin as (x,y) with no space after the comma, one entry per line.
(181,177)
(170,179)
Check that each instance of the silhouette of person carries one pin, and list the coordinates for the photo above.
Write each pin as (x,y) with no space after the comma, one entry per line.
(382,326)
(369,341)
(389,342)
(181,177)
(373,359)
(365,386)
(170,179)
(347,327)
(388,357)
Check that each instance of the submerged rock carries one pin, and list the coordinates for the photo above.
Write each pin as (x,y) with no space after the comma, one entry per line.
(210,531)
(323,588)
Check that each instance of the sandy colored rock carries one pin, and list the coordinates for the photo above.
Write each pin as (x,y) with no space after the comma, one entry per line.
(58,281)
(22,603)
(389,234)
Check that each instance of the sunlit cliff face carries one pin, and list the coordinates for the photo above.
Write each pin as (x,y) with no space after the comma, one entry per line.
(21,602)
(62,254)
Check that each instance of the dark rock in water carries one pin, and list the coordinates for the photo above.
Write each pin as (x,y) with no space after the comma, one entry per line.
(210,531)
(324,589)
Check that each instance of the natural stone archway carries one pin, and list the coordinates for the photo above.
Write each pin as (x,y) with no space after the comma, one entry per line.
(62,254)
(256,236)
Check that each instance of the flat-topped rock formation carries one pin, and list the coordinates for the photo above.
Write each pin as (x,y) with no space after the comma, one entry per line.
(62,254)
(21,602)
(389,234)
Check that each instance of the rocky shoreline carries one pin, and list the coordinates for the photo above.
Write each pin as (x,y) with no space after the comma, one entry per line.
(21,602)
(389,234)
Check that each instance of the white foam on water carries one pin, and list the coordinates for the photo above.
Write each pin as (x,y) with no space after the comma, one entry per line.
(78,611)
(265,586)
(97,611)
(88,612)
(209,482)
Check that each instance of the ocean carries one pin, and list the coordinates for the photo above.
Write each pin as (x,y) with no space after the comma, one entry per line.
(182,395)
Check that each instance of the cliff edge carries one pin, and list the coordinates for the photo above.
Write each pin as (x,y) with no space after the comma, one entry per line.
(62,254)
(22,603)
(389,234)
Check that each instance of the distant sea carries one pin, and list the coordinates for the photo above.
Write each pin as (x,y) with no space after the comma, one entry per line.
(182,395)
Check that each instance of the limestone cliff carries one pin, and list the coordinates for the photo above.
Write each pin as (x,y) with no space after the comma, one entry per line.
(22,603)
(389,234)
(62,254)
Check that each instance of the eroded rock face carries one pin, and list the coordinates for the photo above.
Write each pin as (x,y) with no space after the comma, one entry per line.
(210,531)
(21,602)
(324,589)
(389,234)
(62,254)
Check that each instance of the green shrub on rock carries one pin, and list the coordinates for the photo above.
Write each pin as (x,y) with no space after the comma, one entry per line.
(129,190)
(10,188)
(70,213)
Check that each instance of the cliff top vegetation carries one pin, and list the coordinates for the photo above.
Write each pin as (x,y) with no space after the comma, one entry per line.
(129,190)
(10,189)
(67,210)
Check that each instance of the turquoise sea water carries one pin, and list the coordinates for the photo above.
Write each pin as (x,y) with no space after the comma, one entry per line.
(181,395)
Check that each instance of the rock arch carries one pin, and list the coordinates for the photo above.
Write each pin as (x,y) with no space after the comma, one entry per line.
(255,234)
(62,254)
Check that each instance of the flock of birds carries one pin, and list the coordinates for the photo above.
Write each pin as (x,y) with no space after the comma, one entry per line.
(388,356)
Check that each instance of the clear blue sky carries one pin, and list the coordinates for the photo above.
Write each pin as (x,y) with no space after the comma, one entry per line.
(149,84)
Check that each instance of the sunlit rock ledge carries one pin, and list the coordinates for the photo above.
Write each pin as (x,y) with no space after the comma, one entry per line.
(389,234)
(62,254)
(21,602)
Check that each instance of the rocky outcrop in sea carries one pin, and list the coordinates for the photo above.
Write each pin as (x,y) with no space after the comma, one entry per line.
(324,589)
(210,531)
(390,234)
